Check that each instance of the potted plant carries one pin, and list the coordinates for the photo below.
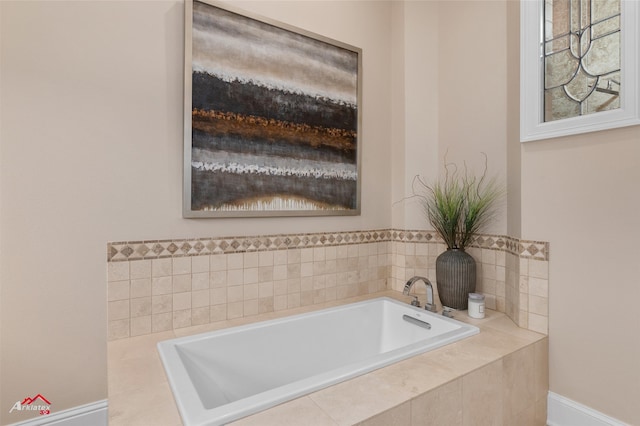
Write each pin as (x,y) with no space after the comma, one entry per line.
(458,207)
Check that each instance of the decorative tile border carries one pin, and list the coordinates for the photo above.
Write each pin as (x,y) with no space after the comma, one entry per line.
(522,248)
(158,249)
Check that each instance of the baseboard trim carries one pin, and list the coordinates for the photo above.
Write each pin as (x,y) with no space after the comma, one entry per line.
(562,411)
(94,413)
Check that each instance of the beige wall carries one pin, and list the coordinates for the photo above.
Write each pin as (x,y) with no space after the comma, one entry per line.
(514,172)
(91,152)
(581,194)
(417,144)
(444,106)
(472,91)
(397,154)
(1,209)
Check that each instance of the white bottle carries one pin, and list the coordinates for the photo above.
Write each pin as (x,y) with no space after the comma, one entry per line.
(476,305)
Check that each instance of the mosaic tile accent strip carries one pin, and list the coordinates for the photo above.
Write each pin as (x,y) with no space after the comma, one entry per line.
(158,249)
(533,250)
(522,248)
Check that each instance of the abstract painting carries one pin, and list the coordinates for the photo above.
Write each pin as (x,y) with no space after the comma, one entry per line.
(271,118)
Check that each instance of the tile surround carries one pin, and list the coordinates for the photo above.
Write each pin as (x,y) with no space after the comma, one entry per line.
(499,375)
(160,285)
(511,390)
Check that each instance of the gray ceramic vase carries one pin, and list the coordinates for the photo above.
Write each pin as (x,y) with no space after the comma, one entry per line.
(455,278)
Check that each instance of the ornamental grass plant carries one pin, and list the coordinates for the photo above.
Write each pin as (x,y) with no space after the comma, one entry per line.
(459,205)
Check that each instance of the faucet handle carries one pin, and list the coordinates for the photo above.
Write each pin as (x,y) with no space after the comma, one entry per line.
(415,302)
(448,312)
(431,307)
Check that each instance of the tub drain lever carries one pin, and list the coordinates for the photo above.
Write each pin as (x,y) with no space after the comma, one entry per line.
(417,322)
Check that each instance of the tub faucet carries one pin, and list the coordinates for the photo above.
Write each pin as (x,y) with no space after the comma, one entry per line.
(429,305)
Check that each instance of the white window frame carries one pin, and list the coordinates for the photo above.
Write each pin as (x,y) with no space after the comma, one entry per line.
(532,125)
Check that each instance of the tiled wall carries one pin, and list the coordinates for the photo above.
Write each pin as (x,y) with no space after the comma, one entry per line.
(178,290)
(533,295)
(155,286)
(511,273)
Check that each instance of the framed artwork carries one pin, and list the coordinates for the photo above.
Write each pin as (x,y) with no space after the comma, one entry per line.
(272,118)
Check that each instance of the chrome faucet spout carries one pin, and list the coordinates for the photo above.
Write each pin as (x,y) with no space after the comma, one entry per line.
(429,305)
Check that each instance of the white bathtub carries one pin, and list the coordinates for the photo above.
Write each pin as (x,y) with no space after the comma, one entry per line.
(224,375)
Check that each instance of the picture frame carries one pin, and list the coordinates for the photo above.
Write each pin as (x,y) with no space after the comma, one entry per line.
(272,118)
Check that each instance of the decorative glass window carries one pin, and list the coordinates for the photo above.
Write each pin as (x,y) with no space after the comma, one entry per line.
(581,57)
(579,66)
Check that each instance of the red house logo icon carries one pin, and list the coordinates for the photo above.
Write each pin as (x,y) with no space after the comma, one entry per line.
(29,401)
(37,403)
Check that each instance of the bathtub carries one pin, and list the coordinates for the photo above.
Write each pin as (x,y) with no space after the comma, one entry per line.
(221,376)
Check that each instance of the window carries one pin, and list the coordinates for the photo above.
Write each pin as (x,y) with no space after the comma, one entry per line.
(579,66)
